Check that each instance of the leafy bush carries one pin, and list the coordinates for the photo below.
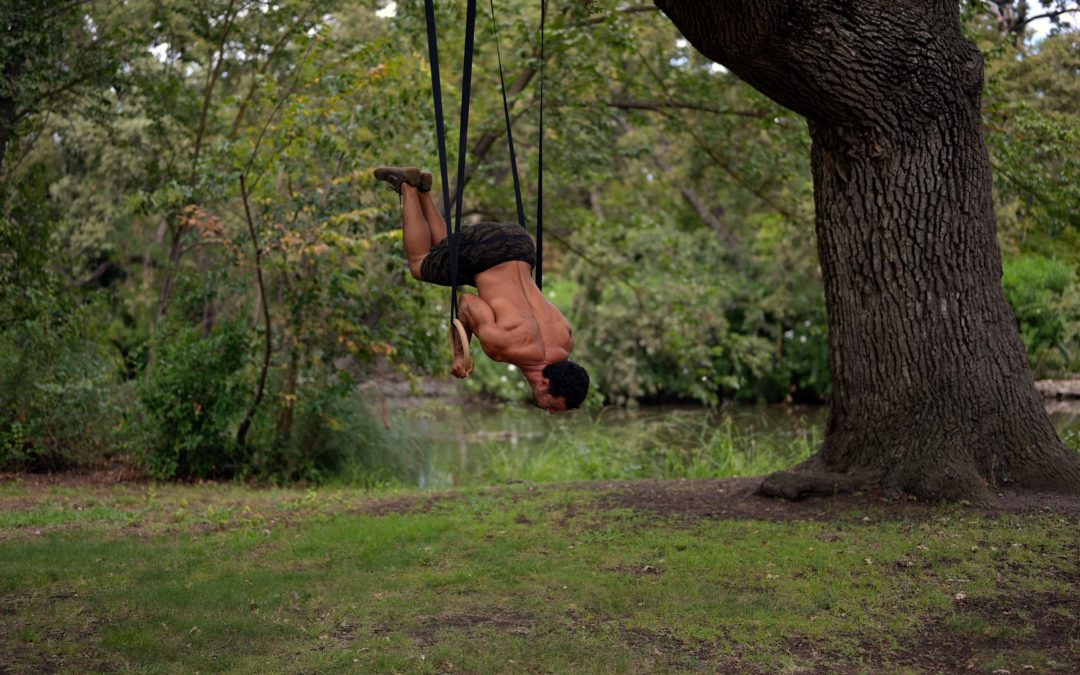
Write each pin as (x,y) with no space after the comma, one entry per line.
(1045,296)
(659,314)
(193,401)
(59,395)
(500,381)
(799,369)
(330,435)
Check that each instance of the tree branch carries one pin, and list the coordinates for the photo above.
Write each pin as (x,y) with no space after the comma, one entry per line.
(638,9)
(242,110)
(1049,15)
(483,144)
(273,113)
(208,92)
(722,162)
(656,106)
(63,9)
(241,433)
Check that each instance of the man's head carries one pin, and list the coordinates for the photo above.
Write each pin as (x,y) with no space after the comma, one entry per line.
(563,386)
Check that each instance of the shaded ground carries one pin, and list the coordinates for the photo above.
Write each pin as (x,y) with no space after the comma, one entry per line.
(649,576)
(735,498)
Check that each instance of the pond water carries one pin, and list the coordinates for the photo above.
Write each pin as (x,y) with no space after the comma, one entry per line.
(451,445)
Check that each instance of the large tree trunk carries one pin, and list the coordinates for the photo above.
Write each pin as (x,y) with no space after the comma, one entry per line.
(931,390)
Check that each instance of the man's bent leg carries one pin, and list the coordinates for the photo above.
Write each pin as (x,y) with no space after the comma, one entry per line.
(434,218)
(416,231)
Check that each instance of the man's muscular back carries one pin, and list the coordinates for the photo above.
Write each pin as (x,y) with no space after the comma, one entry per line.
(513,320)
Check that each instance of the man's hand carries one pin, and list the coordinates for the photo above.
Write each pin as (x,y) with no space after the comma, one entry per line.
(463,366)
(459,370)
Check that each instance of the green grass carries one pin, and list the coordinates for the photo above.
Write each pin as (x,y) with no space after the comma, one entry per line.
(215,578)
(675,445)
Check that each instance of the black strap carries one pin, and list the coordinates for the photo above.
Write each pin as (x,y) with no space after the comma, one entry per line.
(440,124)
(440,129)
(509,130)
(463,148)
(540,163)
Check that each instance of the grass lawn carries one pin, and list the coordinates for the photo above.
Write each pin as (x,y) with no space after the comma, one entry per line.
(619,577)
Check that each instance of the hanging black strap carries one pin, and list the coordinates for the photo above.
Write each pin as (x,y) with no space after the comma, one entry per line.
(466,93)
(463,141)
(436,92)
(440,129)
(540,163)
(509,129)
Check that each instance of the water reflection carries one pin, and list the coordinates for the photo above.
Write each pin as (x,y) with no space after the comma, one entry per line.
(1065,415)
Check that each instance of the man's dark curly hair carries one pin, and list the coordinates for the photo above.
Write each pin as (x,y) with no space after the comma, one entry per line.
(568,380)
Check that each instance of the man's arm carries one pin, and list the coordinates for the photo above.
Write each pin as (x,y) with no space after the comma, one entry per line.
(479,320)
(475,315)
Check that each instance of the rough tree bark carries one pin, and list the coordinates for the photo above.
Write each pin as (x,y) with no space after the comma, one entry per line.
(931,391)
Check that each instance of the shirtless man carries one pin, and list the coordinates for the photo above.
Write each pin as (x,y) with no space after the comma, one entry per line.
(513,320)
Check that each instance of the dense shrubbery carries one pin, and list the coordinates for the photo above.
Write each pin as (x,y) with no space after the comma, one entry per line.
(331,434)
(662,313)
(1045,295)
(193,402)
(61,401)
(60,398)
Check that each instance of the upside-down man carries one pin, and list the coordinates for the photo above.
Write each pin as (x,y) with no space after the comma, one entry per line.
(513,320)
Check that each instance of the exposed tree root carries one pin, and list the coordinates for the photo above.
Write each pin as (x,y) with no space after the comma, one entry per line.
(796,484)
(1055,469)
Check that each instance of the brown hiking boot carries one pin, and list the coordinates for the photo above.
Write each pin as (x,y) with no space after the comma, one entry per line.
(425,181)
(396,175)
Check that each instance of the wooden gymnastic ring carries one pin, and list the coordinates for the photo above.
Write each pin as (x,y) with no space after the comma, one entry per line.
(459,336)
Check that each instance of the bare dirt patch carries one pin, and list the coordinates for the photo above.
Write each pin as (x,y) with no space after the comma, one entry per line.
(44,649)
(496,619)
(637,570)
(735,498)
(101,476)
(392,506)
(1040,638)
(1030,633)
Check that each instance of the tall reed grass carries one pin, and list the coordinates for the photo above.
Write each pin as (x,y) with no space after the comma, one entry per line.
(668,447)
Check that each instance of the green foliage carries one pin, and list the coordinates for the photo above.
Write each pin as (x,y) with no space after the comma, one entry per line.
(664,313)
(331,435)
(799,373)
(1034,142)
(53,55)
(496,380)
(1045,295)
(192,400)
(60,402)
(667,447)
